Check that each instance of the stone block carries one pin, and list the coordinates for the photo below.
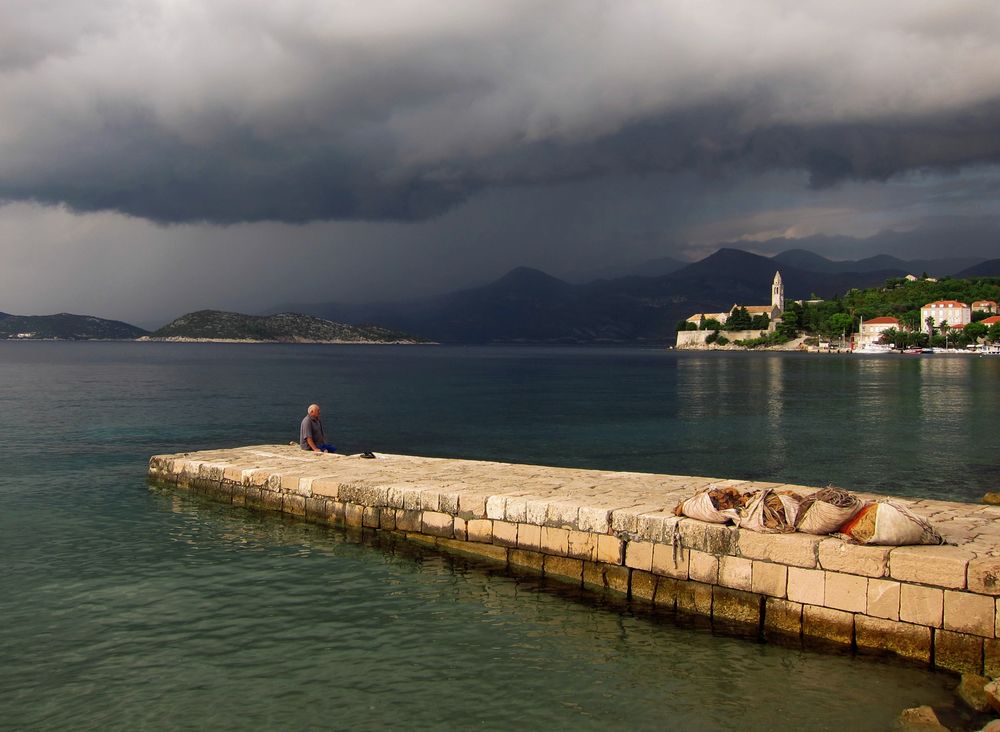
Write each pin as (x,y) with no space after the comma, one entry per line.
(984,576)
(515,510)
(796,550)
(460,529)
(878,635)
(639,555)
(782,618)
(583,545)
(883,599)
(941,566)
(703,567)
(504,533)
(969,613)
(471,506)
(387,519)
(836,555)
(597,520)
(319,509)
(536,511)
(642,585)
(371,517)
(958,652)
(991,657)
(525,560)
(694,598)
(666,594)
(921,605)
(555,541)
(806,586)
(671,561)
(407,520)
(610,549)
(293,505)
(657,527)
(529,536)
(828,625)
(447,502)
(736,606)
(430,500)
(734,572)
(495,507)
(616,578)
(480,530)
(326,487)
(270,500)
(489,552)
(563,568)
(846,592)
(562,514)
(612,577)
(717,539)
(971,690)
(354,516)
(769,579)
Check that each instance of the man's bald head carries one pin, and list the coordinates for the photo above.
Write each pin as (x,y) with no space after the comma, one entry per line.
(313,410)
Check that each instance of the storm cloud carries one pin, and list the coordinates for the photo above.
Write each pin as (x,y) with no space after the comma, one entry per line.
(229,111)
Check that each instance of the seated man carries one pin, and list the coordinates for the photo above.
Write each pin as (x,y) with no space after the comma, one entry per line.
(311,435)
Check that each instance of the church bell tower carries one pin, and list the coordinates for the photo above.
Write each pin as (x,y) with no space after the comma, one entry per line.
(778,293)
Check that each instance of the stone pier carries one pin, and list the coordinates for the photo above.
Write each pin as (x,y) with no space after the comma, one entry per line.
(616,532)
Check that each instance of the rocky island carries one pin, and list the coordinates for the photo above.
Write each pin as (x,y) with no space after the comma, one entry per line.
(219,326)
(65,327)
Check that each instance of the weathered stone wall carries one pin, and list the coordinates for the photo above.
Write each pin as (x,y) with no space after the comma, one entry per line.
(696,338)
(616,532)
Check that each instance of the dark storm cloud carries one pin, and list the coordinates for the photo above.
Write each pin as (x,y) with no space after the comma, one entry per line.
(232,111)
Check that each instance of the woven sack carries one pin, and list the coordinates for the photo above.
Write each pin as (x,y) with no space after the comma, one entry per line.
(826,510)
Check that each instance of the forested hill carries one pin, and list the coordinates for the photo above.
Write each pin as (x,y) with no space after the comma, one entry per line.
(281,328)
(65,326)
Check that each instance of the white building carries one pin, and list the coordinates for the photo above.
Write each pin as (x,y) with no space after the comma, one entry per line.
(985,306)
(953,312)
(872,330)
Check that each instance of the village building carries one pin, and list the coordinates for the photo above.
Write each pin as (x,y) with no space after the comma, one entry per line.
(772,311)
(985,306)
(956,314)
(992,320)
(699,318)
(872,330)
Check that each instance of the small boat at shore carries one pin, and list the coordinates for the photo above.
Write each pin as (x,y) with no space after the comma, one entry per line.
(912,351)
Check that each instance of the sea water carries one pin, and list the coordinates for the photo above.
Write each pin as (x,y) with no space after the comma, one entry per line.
(131,606)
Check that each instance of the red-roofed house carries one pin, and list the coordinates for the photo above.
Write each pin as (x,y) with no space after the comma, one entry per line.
(872,330)
(992,320)
(985,306)
(953,312)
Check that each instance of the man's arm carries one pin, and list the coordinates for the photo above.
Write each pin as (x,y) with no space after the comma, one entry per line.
(312,444)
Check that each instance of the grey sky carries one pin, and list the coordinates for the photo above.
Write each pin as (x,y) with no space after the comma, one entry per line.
(161,156)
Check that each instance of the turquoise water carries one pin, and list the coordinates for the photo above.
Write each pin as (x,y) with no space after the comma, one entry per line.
(127,606)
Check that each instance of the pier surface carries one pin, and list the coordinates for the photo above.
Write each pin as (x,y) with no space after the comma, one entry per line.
(616,532)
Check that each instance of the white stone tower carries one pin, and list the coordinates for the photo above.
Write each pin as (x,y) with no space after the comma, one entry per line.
(778,293)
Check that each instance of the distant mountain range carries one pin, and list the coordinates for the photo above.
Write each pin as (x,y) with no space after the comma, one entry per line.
(527,305)
(806,260)
(989,268)
(65,326)
(281,328)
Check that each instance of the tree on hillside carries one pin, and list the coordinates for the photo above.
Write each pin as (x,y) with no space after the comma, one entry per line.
(739,319)
(839,324)
(994,334)
(975,331)
(760,322)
